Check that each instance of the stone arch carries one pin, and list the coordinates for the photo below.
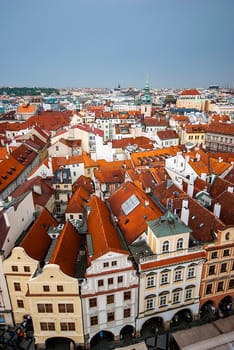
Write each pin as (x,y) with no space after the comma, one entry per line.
(65,343)
(152,326)
(225,306)
(127,332)
(102,338)
(181,317)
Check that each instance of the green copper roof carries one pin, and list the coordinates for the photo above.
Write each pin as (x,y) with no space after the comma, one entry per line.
(168,225)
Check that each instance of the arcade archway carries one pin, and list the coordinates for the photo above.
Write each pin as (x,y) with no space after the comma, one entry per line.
(152,326)
(127,332)
(60,343)
(182,317)
(101,339)
(225,306)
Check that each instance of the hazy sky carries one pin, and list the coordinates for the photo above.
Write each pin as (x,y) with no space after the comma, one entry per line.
(103,43)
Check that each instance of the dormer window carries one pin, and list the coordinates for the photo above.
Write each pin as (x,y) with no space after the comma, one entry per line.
(165,247)
(179,244)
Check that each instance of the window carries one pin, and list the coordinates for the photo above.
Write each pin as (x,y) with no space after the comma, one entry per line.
(14,268)
(179,244)
(220,287)
(191,272)
(44,308)
(212,270)
(231,284)
(67,326)
(165,247)
(106,264)
(163,300)
(110,316)
(93,320)
(47,326)
(20,303)
(188,294)
(127,313)
(114,263)
(65,308)
(110,299)
(233,266)
(59,288)
(214,255)
(120,279)
(164,278)
(176,297)
(46,288)
(223,267)
(178,275)
(209,289)
(93,302)
(100,283)
(26,269)
(150,281)
(226,252)
(17,286)
(127,295)
(110,281)
(149,304)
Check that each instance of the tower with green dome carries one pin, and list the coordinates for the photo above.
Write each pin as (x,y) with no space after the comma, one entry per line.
(146,102)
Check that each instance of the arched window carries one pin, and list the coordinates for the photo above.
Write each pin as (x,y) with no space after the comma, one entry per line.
(179,244)
(165,247)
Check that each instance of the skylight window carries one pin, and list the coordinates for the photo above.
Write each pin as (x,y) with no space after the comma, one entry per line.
(130,204)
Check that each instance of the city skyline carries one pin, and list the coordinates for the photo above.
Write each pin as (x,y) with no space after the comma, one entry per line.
(88,43)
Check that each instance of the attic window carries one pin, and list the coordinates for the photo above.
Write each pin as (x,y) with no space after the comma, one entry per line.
(193,217)
(130,204)
(202,224)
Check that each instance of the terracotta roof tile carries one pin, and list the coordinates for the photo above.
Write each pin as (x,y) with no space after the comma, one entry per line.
(190,92)
(105,237)
(9,170)
(78,201)
(26,109)
(226,200)
(36,243)
(66,250)
(133,223)
(167,134)
(221,128)
(109,176)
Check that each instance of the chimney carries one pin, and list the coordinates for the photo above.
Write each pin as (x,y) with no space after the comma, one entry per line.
(190,189)
(185,212)
(217,209)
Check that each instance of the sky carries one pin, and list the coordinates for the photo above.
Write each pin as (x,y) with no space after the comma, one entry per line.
(106,43)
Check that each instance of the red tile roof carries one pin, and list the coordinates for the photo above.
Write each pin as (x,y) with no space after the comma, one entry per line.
(78,201)
(226,200)
(190,92)
(109,176)
(135,222)
(140,142)
(105,237)
(221,128)
(36,242)
(66,250)
(10,169)
(167,134)
(24,155)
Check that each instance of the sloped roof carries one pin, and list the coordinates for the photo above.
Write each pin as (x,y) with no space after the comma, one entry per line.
(105,237)
(109,176)
(134,222)
(154,156)
(167,134)
(221,128)
(226,200)
(85,182)
(24,155)
(168,224)
(201,221)
(3,228)
(45,186)
(36,242)
(26,109)
(67,249)
(219,185)
(9,169)
(190,92)
(78,201)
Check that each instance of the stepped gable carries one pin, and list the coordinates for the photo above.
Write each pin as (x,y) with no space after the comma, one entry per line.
(132,208)
(10,169)
(104,235)
(66,250)
(37,241)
